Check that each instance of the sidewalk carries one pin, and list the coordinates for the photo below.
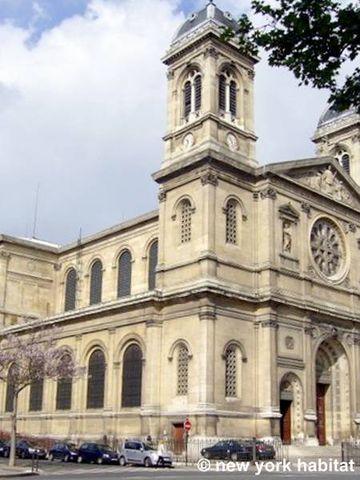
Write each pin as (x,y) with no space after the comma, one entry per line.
(6,471)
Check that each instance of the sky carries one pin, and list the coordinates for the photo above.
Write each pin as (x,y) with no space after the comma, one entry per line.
(82,111)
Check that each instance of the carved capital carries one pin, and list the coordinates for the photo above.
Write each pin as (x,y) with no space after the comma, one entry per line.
(310,330)
(170,74)
(207,313)
(5,255)
(209,178)
(251,74)
(211,52)
(268,192)
(305,207)
(270,323)
(162,196)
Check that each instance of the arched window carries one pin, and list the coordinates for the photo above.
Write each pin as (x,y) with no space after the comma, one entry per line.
(132,376)
(230,372)
(182,370)
(227,93)
(343,158)
(9,403)
(96,380)
(185,219)
(231,222)
(222,93)
(197,90)
(124,274)
(233,98)
(36,395)
(96,276)
(153,261)
(187,99)
(192,93)
(64,388)
(70,290)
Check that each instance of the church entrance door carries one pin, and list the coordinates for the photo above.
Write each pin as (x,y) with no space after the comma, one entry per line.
(178,437)
(285,423)
(320,413)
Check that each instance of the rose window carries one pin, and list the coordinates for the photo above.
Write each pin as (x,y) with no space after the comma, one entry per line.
(327,247)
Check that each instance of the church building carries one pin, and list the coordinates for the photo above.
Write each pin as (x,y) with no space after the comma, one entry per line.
(235,304)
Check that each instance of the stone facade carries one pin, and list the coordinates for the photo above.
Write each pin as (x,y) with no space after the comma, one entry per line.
(251,327)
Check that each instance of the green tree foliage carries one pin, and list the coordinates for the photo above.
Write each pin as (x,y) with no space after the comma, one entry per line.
(312,38)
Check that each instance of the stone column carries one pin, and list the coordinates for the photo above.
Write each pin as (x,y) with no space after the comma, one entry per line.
(209,182)
(267,377)
(309,388)
(4,264)
(150,409)
(206,425)
(78,400)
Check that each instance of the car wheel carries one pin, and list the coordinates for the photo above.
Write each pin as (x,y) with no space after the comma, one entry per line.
(160,462)
(147,462)
(234,457)
(67,458)
(23,455)
(122,461)
(51,457)
(99,461)
(79,459)
(207,455)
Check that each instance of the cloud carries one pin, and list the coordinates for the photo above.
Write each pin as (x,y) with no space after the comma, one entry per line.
(82,112)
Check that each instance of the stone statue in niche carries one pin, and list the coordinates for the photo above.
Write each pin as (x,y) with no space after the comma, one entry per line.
(286,237)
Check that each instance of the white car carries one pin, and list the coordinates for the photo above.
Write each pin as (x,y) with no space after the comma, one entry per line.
(137,452)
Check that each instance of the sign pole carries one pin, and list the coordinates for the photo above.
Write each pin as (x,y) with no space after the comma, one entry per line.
(187,428)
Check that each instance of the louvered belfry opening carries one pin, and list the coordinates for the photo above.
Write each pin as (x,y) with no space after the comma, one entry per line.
(231,222)
(230,371)
(233,98)
(96,277)
(64,389)
(197,88)
(222,93)
(187,99)
(185,211)
(96,380)
(182,370)
(132,377)
(124,274)
(70,290)
(153,261)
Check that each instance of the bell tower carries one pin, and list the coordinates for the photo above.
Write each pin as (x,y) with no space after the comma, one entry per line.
(210,92)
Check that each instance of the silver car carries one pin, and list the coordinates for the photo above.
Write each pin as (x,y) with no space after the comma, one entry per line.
(137,452)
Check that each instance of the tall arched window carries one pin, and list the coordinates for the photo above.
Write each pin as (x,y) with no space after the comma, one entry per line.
(153,261)
(64,388)
(232,100)
(124,274)
(9,403)
(70,290)
(343,157)
(192,94)
(96,276)
(182,370)
(231,222)
(132,377)
(227,93)
(36,395)
(96,380)
(230,372)
(185,219)
(222,93)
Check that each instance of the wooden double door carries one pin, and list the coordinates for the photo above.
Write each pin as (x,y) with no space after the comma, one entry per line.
(285,422)
(321,413)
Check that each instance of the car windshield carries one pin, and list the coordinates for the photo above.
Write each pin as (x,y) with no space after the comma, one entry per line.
(220,444)
(71,446)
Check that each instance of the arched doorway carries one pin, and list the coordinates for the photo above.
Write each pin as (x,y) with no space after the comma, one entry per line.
(332,393)
(291,409)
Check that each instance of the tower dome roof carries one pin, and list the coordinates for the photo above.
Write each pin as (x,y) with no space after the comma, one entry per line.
(331,115)
(211,13)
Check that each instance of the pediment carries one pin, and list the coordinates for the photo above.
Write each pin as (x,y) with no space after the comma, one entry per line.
(325,176)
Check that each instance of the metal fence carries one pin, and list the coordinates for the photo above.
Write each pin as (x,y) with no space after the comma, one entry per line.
(350,451)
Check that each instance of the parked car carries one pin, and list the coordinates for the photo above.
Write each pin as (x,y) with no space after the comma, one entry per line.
(26,449)
(137,452)
(97,453)
(3,447)
(228,450)
(67,452)
(265,451)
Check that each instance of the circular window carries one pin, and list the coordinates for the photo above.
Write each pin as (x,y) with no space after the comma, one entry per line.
(328,248)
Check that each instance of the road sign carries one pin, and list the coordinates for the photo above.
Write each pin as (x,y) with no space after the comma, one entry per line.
(187,425)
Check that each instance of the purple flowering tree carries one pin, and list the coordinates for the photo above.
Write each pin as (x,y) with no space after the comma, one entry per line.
(30,356)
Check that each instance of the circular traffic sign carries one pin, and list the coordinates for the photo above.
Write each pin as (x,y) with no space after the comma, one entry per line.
(187,425)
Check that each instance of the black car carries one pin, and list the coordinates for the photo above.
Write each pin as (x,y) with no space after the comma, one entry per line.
(25,449)
(97,453)
(3,448)
(228,449)
(67,452)
(265,451)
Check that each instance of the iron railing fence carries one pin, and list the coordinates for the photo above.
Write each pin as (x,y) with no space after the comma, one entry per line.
(351,451)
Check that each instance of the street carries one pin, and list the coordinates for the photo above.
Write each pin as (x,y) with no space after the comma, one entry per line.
(74,471)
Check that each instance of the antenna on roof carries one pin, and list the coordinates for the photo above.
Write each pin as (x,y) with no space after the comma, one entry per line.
(36,210)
